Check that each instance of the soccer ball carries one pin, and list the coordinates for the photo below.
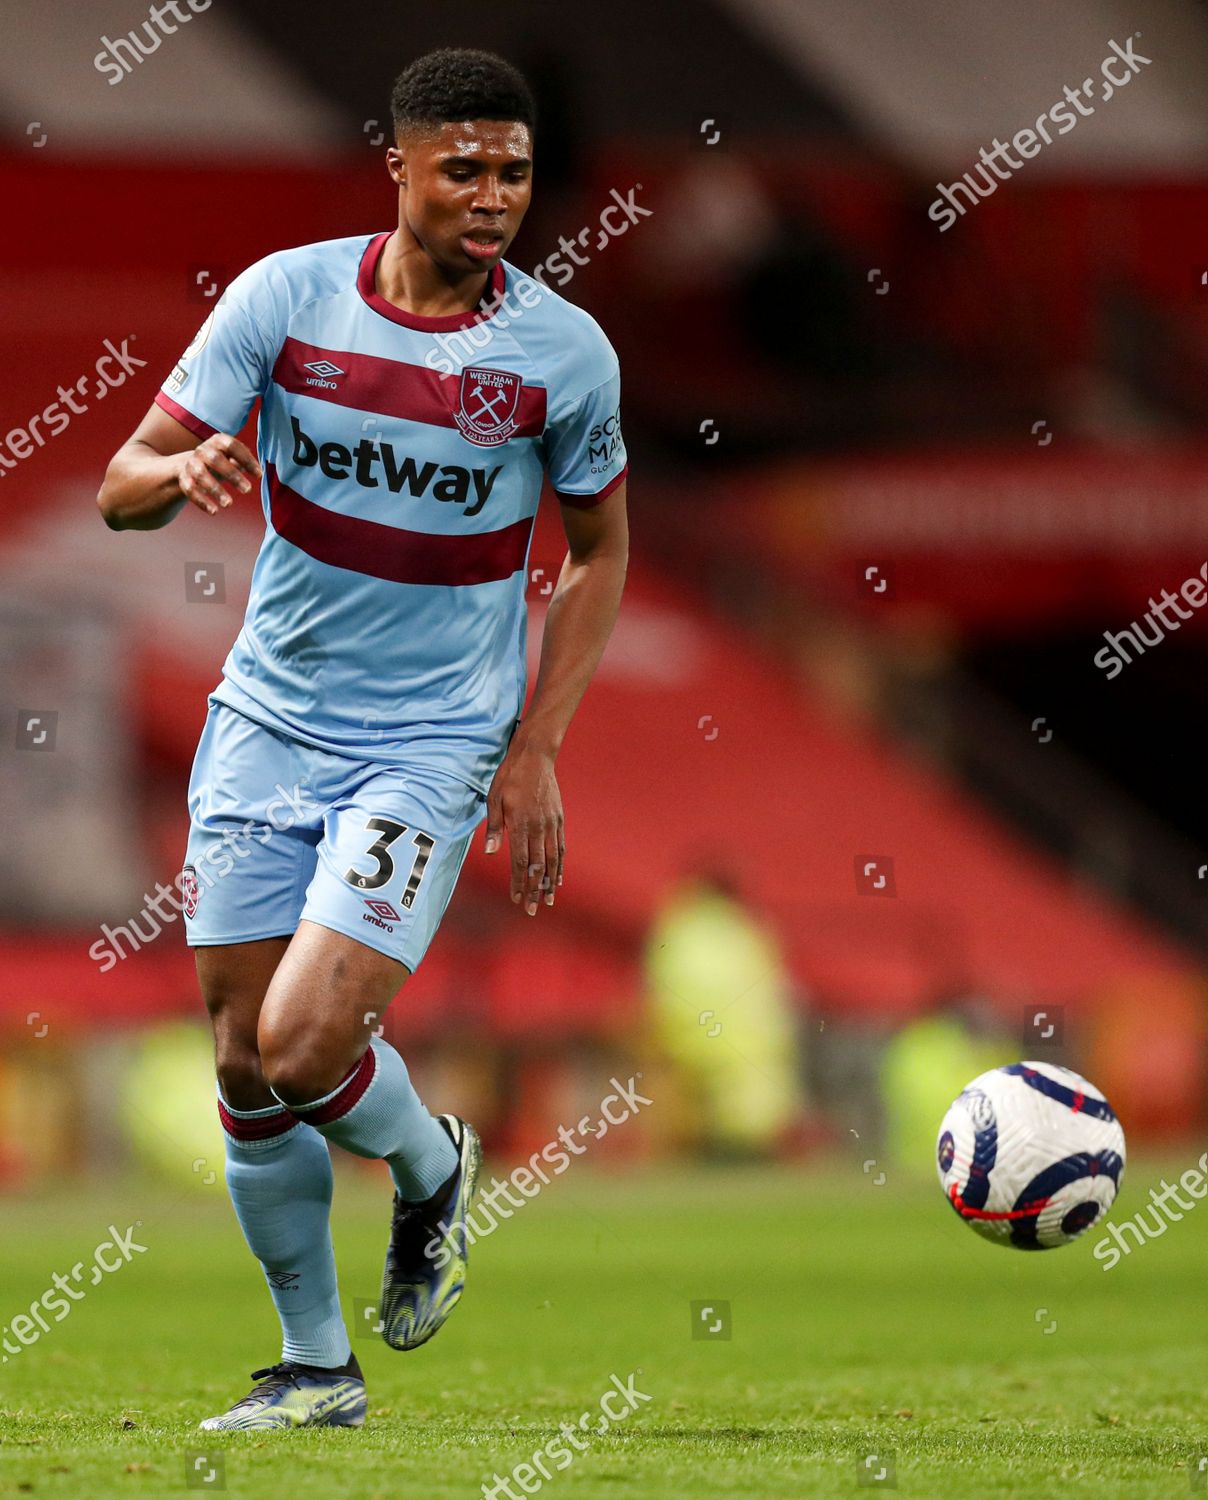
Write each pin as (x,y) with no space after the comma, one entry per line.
(1030,1155)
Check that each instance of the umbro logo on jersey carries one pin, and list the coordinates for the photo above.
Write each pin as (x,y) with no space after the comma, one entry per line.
(323,370)
(450,483)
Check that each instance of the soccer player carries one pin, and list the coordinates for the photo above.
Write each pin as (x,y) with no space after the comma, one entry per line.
(415,387)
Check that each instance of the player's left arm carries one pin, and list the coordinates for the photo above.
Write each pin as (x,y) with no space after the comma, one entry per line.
(524,799)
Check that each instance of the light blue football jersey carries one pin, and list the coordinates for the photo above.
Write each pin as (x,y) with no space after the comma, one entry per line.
(403,460)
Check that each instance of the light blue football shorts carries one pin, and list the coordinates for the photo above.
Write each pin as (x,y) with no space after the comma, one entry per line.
(281,831)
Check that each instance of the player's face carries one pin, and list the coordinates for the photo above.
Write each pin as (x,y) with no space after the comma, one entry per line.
(467,188)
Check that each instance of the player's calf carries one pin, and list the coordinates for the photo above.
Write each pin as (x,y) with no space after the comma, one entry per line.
(312,1040)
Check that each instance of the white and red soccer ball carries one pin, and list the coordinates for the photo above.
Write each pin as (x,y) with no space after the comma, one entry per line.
(1030,1155)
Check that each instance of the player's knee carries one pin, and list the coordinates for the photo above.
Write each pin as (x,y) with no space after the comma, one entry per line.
(237,1061)
(299,1069)
(240,1076)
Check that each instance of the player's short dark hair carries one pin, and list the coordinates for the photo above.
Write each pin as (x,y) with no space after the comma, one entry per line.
(460,83)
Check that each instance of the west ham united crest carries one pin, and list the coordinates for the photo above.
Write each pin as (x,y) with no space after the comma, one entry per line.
(190,890)
(487,403)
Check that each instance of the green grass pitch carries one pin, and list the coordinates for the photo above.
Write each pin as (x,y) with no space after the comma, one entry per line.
(864,1320)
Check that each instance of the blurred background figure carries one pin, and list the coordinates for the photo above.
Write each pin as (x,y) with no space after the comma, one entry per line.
(925,1066)
(723,1018)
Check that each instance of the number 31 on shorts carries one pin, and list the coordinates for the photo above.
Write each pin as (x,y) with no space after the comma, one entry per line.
(388,834)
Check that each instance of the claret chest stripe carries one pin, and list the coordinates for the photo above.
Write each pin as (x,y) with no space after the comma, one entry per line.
(370,383)
(390,552)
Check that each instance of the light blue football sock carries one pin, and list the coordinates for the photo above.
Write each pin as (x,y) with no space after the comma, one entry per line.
(278,1171)
(375,1112)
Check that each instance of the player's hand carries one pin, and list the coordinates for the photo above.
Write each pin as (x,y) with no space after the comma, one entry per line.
(220,461)
(524,801)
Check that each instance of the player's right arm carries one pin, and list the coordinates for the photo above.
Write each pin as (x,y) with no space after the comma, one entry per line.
(163,466)
(182,452)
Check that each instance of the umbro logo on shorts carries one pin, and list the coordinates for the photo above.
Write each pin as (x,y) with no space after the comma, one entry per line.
(382,914)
